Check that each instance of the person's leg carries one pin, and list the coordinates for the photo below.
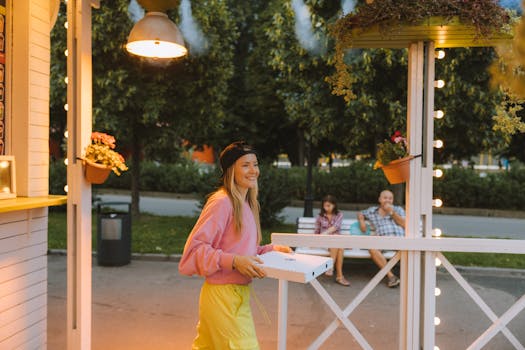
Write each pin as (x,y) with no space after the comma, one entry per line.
(340,278)
(225,318)
(333,255)
(379,260)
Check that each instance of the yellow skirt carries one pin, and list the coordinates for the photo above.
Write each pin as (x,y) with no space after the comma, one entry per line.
(225,318)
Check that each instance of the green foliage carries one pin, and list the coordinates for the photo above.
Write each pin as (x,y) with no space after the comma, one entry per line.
(273,196)
(57,176)
(464,188)
(486,16)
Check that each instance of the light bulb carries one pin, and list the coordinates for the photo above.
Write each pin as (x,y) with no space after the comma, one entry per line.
(438,143)
(66,80)
(65,188)
(66,52)
(439,114)
(437,203)
(66,25)
(437,292)
(65,161)
(438,173)
(439,83)
(66,107)
(438,262)
(66,134)
(437,321)
(440,54)
(437,232)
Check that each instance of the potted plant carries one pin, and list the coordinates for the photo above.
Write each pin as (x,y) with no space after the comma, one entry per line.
(100,158)
(394,159)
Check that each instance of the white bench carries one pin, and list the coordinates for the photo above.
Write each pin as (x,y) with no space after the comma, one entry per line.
(307,225)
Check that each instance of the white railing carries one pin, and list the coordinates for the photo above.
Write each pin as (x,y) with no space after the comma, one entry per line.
(433,248)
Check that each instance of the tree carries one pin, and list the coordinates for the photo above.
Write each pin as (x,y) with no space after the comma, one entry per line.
(154,106)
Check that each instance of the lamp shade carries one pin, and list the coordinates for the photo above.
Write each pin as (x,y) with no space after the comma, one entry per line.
(156,36)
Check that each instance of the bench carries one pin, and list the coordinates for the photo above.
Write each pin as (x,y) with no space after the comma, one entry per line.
(307,225)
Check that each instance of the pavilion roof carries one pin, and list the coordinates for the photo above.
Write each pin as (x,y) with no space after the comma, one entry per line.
(445,34)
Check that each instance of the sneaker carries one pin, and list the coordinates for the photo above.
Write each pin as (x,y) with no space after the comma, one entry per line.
(393,282)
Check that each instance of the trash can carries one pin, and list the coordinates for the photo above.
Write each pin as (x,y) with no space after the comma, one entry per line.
(113,233)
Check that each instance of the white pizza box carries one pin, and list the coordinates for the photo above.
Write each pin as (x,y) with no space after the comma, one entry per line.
(294,267)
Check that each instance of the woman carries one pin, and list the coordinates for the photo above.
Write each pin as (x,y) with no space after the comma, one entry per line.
(329,222)
(222,247)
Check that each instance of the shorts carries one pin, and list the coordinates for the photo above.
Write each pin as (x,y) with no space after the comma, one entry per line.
(225,318)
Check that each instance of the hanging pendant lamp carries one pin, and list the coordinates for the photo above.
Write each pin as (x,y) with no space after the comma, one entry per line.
(155,35)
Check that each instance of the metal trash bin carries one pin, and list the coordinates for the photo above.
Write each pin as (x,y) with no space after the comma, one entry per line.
(113,234)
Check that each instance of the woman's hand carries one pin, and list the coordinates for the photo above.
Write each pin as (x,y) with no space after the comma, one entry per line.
(248,266)
(282,248)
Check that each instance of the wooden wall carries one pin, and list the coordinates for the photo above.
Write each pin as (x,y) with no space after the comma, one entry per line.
(23,234)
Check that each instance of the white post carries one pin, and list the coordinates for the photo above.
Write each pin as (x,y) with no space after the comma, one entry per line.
(429,267)
(410,260)
(282,314)
(79,191)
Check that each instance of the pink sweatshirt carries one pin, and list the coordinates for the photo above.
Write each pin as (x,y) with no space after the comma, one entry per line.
(213,242)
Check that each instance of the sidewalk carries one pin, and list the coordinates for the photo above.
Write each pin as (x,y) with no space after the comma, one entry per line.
(149,305)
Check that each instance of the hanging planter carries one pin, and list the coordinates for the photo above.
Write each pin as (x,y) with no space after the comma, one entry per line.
(397,171)
(96,173)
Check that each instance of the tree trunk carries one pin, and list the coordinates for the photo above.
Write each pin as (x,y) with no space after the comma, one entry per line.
(308,197)
(136,150)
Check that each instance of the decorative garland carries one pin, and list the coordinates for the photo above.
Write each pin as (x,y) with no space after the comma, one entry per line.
(486,16)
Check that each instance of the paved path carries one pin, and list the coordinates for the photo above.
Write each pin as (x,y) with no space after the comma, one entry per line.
(456,225)
(149,305)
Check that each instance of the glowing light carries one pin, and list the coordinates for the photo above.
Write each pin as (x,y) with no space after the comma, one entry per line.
(6,190)
(440,54)
(437,292)
(65,161)
(437,203)
(439,114)
(66,134)
(439,83)
(4,164)
(438,143)
(437,321)
(66,53)
(156,36)
(66,107)
(66,25)
(437,232)
(65,188)
(66,80)
(438,262)
(436,347)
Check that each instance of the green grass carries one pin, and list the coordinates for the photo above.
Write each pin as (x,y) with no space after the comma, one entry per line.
(513,261)
(150,233)
(167,235)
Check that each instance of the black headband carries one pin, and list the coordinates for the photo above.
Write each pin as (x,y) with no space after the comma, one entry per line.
(233,152)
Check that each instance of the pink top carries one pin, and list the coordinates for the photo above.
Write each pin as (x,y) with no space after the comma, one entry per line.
(213,242)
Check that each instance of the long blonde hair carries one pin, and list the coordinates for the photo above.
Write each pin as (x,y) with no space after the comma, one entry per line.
(237,200)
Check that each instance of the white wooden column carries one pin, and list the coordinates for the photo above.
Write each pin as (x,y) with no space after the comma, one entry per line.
(411,260)
(427,173)
(79,96)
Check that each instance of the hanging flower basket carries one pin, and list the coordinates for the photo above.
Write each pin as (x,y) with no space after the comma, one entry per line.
(397,171)
(96,173)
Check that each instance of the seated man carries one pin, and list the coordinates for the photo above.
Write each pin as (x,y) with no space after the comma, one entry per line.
(388,220)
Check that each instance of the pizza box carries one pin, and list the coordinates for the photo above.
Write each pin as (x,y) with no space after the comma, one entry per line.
(294,267)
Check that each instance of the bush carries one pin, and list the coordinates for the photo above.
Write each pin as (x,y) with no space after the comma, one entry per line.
(357,183)
(462,187)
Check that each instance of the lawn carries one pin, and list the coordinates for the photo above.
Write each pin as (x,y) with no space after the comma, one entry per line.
(167,235)
(150,233)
